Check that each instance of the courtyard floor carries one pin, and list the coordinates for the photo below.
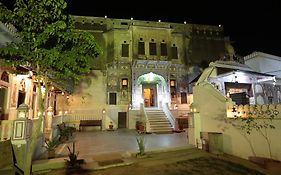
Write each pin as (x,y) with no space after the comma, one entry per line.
(113,153)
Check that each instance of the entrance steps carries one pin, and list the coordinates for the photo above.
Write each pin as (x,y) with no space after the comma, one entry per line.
(158,121)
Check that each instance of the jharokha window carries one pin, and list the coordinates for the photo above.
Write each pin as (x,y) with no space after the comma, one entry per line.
(152,48)
(141,48)
(125,49)
(174,50)
(163,48)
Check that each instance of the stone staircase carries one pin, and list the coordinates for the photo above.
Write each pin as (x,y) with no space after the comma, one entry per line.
(158,121)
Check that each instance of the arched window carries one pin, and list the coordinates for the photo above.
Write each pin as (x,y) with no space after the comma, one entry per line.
(5,77)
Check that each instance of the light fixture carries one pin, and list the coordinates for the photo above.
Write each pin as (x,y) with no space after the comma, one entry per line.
(105,16)
(184,22)
(103,111)
(159,20)
(219,25)
(132,18)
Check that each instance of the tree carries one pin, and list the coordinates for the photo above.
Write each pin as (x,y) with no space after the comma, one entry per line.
(49,45)
(258,121)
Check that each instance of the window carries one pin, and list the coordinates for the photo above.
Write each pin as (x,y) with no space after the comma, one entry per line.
(141,48)
(124,82)
(125,50)
(152,49)
(5,77)
(183,98)
(172,83)
(112,98)
(163,47)
(174,52)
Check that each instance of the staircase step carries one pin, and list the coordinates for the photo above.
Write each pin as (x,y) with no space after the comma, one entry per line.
(158,121)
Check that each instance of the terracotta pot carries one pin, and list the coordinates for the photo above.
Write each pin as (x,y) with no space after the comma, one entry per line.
(111,127)
(51,154)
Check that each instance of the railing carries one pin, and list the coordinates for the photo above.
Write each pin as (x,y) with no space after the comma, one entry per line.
(144,117)
(169,115)
(257,111)
(73,118)
(6,129)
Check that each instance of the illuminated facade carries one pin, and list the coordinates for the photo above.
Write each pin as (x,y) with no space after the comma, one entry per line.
(143,62)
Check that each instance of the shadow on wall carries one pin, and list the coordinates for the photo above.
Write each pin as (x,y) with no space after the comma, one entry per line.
(227,144)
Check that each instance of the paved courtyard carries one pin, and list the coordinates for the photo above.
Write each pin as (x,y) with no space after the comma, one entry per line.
(167,154)
(122,141)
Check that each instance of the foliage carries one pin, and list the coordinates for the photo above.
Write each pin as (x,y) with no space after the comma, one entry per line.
(141,145)
(51,144)
(48,45)
(65,131)
(73,161)
(253,122)
(48,40)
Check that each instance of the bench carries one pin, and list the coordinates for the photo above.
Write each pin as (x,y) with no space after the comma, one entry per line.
(8,164)
(84,123)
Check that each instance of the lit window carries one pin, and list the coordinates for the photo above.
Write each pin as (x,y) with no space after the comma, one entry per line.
(124,82)
(172,83)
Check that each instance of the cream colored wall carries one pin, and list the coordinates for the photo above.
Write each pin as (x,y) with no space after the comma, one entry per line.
(212,118)
(88,100)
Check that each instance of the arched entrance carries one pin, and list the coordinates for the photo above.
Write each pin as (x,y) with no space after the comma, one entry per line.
(151,90)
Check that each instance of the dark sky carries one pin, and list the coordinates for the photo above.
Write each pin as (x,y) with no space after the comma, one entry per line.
(251,26)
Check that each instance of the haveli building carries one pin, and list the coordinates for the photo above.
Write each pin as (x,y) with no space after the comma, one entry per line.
(143,62)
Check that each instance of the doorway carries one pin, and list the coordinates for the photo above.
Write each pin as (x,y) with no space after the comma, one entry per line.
(122,119)
(149,95)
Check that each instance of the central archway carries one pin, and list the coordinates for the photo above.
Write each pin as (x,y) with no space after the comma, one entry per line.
(151,90)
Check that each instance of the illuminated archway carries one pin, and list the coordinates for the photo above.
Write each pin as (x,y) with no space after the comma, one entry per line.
(155,83)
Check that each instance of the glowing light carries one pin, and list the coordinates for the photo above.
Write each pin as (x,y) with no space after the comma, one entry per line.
(149,77)
(132,18)
(184,22)
(219,25)
(105,16)
(159,20)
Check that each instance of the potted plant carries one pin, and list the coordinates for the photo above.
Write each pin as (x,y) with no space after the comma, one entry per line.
(51,146)
(140,126)
(110,125)
(73,161)
(141,145)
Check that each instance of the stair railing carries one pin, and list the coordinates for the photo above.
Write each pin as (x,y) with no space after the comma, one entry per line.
(169,115)
(144,118)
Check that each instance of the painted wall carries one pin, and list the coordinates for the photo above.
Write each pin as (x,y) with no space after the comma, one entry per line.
(89,96)
(211,117)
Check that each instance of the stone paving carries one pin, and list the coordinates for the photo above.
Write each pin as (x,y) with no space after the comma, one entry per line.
(167,154)
(121,141)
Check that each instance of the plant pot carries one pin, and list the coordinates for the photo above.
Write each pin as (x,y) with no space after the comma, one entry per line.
(51,154)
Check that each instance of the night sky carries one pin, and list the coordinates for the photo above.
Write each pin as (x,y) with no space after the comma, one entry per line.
(251,26)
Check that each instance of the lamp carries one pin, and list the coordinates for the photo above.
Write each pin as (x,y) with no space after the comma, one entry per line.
(103,111)
(22,111)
